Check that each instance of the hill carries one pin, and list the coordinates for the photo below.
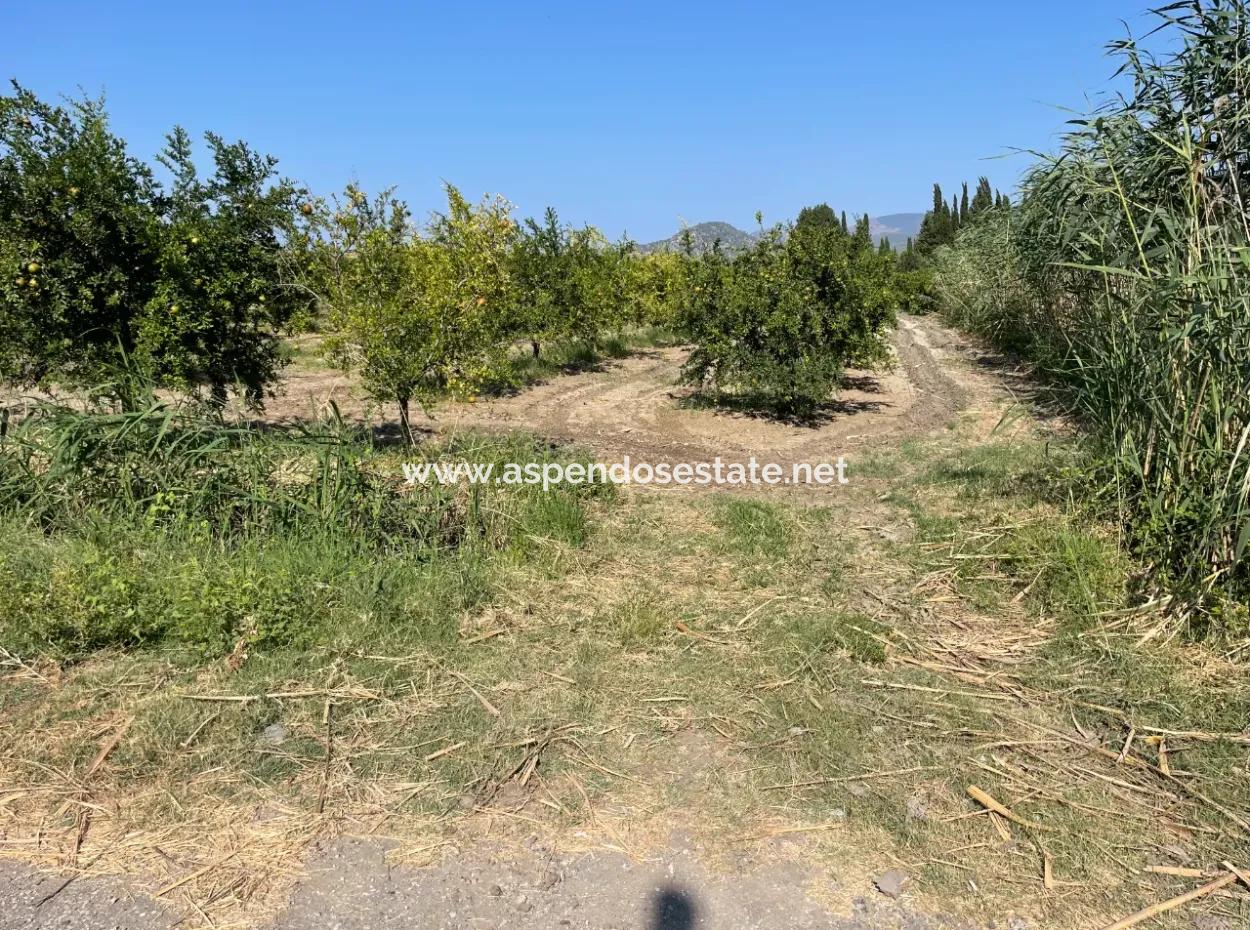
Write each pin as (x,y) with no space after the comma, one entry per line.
(704,235)
(896,227)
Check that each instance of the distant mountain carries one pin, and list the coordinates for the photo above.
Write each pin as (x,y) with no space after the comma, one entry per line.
(896,227)
(705,235)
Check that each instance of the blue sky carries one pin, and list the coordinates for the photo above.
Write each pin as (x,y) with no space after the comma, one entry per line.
(630,116)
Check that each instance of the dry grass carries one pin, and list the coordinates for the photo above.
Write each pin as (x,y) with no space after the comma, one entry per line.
(776,678)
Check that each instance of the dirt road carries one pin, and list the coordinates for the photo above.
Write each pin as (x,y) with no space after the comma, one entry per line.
(634,407)
(350,886)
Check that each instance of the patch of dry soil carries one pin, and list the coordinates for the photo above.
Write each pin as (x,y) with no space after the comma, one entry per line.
(351,886)
(634,407)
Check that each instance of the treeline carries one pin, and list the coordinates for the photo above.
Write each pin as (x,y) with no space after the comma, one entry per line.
(945,219)
(1122,273)
(425,311)
(116,278)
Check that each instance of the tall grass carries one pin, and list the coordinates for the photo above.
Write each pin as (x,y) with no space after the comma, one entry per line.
(162,523)
(1125,273)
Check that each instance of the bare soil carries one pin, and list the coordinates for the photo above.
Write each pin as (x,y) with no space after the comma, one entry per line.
(634,407)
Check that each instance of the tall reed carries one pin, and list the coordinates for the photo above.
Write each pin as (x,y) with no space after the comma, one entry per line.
(1125,273)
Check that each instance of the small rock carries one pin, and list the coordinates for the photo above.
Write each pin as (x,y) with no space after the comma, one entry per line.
(495,891)
(522,904)
(1211,922)
(274,735)
(549,880)
(892,883)
(917,808)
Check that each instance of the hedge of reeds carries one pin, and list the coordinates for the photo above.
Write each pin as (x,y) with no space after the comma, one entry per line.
(1124,272)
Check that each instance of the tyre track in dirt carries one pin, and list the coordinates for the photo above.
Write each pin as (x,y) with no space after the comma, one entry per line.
(634,407)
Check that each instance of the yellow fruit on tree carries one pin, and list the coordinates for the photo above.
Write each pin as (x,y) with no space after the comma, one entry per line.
(21,282)
(33,282)
(32,267)
(305,208)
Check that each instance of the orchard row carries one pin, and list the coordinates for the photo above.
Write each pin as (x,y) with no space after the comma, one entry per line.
(116,278)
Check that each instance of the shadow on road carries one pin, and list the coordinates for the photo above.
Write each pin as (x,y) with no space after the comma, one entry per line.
(672,909)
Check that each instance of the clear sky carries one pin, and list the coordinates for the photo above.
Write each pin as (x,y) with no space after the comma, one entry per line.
(631,116)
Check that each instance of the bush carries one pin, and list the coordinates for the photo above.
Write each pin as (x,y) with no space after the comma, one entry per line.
(107,274)
(778,324)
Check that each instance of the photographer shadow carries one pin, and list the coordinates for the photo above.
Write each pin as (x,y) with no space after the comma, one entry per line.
(673,909)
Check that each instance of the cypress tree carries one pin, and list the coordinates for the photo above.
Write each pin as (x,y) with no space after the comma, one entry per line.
(863,232)
(846,229)
(984,198)
(963,205)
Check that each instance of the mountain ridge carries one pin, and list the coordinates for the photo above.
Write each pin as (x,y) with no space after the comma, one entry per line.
(897,227)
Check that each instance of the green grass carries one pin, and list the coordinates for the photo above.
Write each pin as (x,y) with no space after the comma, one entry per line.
(163,524)
(754,527)
(729,662)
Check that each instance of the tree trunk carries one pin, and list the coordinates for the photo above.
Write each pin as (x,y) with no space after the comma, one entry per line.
(405,420)
(534,346)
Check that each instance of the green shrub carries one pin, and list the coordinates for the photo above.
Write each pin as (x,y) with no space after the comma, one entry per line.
(778,324)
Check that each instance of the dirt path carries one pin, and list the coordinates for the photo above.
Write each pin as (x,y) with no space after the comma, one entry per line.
(634,407)
(351,886)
